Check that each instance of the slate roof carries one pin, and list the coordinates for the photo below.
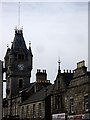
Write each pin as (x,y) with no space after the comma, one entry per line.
(67,78)
(18,42)
(39,95)
(88,73)
(26,89)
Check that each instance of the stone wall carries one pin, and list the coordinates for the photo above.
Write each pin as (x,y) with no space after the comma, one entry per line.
(30,110)
(77,89)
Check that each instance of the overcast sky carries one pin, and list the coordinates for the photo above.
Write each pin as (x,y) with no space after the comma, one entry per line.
(55,29)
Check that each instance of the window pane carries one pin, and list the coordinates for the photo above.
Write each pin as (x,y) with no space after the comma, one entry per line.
(72,105)
(86,103)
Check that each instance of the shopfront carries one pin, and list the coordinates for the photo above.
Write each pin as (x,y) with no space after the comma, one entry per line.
(86,116)
(79,117)
(60,116)
(64,116)
(75,117)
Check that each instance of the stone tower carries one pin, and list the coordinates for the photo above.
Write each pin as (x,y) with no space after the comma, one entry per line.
(18,61)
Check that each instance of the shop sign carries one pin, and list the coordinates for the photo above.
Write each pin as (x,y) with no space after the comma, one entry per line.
(75,117)
(60,116)
(79,117)
(70,117)
(86,116)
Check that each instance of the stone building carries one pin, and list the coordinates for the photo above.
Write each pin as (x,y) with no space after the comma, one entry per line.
(78,95)
(68,98)
(19,91)
(18,62)
(71,94)
(37,106)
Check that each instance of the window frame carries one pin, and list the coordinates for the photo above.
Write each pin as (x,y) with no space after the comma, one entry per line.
(39,110)
(27,111)
(72,105)
(86,103)
(34,111)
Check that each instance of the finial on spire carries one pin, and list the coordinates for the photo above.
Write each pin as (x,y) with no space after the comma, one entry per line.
(7,46)
(29,43)
(59,64)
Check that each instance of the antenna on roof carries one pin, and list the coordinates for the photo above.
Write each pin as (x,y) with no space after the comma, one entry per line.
(19,16)
(18,29)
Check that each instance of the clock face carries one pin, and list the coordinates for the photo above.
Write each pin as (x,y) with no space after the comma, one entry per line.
(20,66)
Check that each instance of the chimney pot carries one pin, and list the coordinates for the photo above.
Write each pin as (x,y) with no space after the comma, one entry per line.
(38,70)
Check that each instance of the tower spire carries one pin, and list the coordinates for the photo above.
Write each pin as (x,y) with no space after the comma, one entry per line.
(59,64)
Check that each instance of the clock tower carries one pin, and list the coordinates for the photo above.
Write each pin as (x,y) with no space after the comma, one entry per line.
(18,61)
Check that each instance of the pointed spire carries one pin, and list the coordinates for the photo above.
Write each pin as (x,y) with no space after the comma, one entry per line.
(29,44)
(30,51)
(59,65)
